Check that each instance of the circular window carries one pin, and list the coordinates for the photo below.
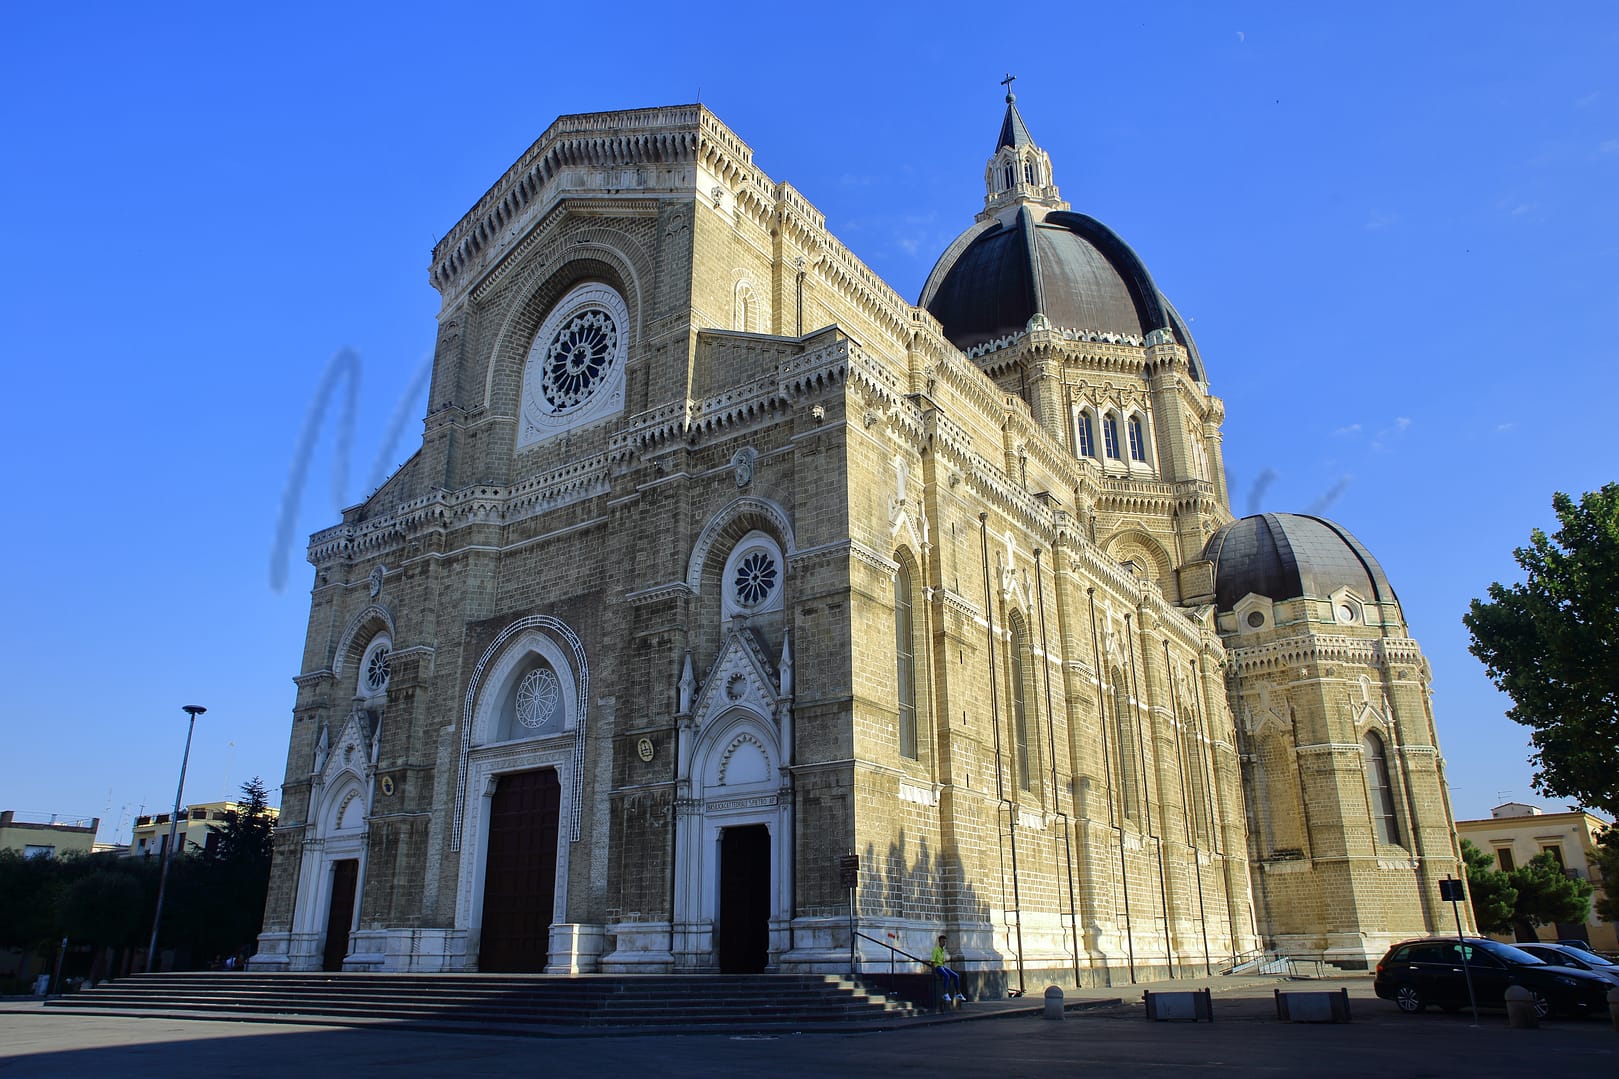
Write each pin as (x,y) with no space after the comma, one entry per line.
(756,577)
(578,358)
(1346,612)
(1255,619)
(574,374)
(753,577)
(538,697)
(377,670)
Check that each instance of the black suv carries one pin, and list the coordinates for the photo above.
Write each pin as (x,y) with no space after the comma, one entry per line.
(1417,973)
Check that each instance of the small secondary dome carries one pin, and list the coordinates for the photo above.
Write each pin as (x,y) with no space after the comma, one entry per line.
(1283,556)
(1028,254)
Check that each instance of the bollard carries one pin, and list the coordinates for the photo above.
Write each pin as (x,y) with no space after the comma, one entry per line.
(1613,1007)
(1521,1009)
(1054,1002)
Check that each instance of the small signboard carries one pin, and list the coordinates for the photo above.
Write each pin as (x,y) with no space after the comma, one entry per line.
(849,870)
(1451,891)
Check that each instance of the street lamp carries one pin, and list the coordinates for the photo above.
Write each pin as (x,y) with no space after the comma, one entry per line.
(192,710)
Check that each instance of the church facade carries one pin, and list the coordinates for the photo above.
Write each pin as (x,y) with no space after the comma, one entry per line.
(736,613)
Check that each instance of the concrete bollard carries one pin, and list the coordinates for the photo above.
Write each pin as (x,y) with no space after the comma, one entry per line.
(1521,1009)
(1613,1007)
(1054,1002)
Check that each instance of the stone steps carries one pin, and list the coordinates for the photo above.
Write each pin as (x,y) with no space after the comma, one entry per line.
(507,1004)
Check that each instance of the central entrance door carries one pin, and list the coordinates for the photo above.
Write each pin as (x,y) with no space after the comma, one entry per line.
(520,874)
(340,916)
(744,929)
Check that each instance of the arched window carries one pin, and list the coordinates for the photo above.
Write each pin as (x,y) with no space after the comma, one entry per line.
(905,662)
(1020,711)
(1138,439)
(1008,176)
(1028,171)
(1379,791)
(1110,435)
(1086,434)
(1124,738)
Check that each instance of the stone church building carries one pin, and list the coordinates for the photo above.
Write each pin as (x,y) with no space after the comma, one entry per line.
(726,577)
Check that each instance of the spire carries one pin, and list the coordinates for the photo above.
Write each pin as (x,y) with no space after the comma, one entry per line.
(1019,172)
(1014,132)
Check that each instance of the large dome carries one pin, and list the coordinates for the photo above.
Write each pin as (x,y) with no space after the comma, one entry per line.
(1283,556)
(1028,254)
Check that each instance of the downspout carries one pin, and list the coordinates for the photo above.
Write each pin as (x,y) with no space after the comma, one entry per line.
(1112,812)
(995,726)
(1051,741)
(1191,833)
(1146,796)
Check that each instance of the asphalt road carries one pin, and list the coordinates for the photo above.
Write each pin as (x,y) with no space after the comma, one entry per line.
(1244,1040)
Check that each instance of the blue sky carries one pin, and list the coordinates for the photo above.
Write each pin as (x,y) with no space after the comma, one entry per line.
(1395,232)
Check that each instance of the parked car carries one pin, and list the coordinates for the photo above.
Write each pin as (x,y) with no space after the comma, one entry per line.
(1563,955)
(1585,946)
(1416,973)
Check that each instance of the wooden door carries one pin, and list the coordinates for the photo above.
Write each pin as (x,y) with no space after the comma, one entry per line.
(520,873)
(340,917)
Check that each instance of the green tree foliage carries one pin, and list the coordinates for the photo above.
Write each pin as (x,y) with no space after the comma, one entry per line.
(1552,645)
(248,838)
(1606,864)
(30,900)
(1493,896)
(107,907)
(217,904)
(1547,895)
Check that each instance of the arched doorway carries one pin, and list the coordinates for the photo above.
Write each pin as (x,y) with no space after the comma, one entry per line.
(519,895)
(744,909)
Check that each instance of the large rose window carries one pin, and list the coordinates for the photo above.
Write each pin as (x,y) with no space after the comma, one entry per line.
(578,359)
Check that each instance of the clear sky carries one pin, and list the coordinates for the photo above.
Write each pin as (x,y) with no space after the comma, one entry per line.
(1395,230)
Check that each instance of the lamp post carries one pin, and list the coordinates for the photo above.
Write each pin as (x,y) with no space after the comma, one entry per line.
(192,710)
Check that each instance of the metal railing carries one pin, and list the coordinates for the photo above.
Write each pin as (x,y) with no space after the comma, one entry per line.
(1267,961)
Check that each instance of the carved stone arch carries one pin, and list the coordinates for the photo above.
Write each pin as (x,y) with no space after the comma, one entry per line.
(754,759)
(338,814)
(573,649)
(1132,544)
(365,625)
(558,269)
(727,527)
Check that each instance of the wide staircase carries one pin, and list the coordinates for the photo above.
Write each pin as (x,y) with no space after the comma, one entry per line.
(532,1004)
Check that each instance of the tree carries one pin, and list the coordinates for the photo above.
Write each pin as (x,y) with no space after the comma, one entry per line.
(1552,645)
(1606,864)
(1547,895)
(1491,892)
(248,837)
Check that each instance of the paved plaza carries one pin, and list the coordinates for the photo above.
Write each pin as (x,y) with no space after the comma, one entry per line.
(1245,1039)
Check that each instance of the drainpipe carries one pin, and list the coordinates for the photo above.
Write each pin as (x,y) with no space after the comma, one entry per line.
(1051,741)
(995,725)
(1107,768)
(1186,801)
(1146,795)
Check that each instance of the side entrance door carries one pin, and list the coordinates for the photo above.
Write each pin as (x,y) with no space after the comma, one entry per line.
(345,876)
(744,929)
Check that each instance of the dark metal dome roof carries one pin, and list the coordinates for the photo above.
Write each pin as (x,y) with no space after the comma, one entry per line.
(1028,255)
(1284,556)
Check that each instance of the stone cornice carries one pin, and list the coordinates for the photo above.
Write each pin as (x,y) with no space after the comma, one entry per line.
(663,136)
(1280,655)
(658,594)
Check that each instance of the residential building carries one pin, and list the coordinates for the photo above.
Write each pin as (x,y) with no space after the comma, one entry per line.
(1515,832)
